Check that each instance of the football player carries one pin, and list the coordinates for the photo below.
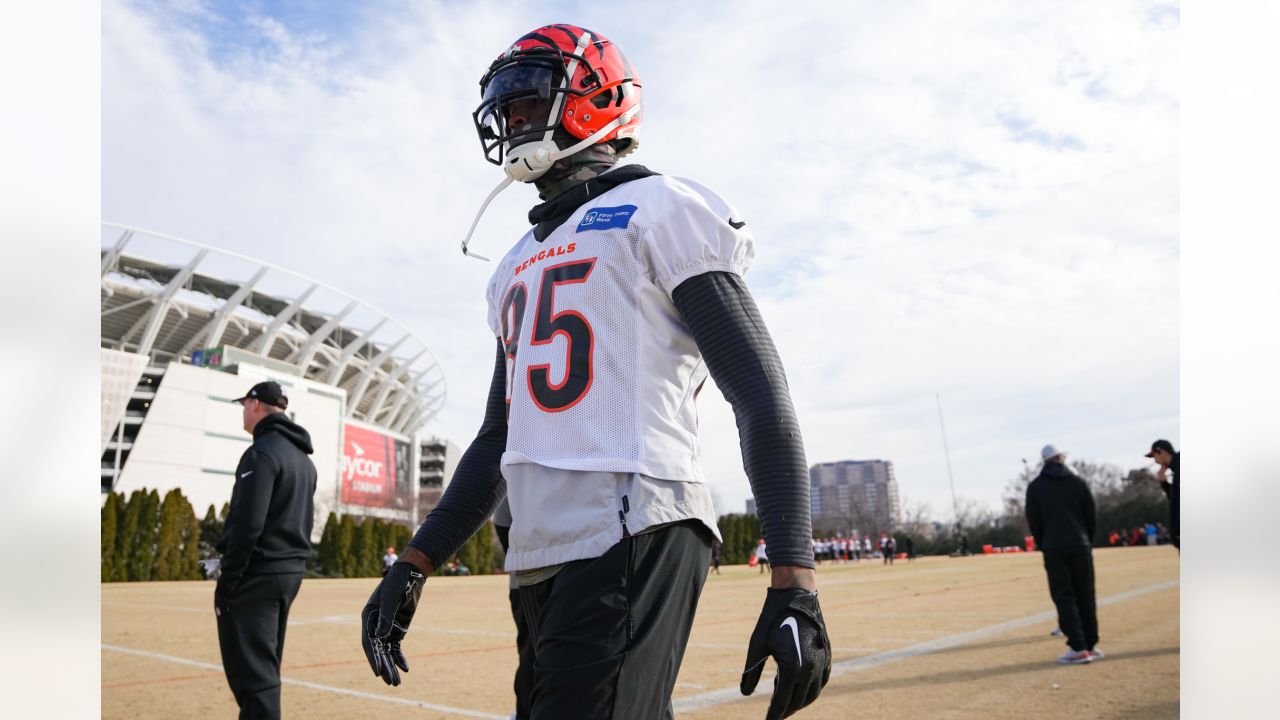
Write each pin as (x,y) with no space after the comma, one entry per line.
(608,315)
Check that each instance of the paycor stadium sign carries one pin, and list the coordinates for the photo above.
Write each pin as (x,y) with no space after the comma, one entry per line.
(376,469)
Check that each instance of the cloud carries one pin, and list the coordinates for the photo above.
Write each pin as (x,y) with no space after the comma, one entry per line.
(977,205)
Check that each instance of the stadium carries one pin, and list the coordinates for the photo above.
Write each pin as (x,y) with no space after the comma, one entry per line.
(186,328)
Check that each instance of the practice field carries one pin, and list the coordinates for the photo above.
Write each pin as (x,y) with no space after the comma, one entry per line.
(936,638)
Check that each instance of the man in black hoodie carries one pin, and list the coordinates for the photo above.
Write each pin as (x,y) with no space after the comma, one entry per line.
(264,547)
(1168,459)
(1062,519)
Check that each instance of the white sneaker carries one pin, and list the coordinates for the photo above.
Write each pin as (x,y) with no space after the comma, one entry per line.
(1097,653)
(1056,632)
(1075,657)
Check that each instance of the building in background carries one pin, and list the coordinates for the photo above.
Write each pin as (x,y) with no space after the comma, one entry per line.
(751,506)
(437,458)
(185,328)
(859,495)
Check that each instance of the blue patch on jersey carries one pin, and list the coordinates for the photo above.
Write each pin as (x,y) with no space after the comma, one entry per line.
(607,217)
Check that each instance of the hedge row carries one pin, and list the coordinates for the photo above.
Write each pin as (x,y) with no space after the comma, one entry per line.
(354,549)
(150,539)
(146,538)
(740,533)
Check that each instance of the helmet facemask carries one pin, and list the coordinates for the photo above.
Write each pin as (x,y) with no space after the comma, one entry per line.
(558,81)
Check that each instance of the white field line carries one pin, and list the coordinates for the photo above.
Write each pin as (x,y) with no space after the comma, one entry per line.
(355,620)
(743,648)
(155,606)
(732,694)
(317,686)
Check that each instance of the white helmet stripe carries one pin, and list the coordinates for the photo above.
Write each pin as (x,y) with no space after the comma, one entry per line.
(552,119)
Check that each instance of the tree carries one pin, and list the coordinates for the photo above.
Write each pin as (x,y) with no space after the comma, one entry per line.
(917,518)
(112,511)
(1134,500)
(917,522)
(210,532)
(167,559)
(1123,500)
(1015,499)
(346,537)
(729,539)
(400,537)
(364,550)
(127,535)
(190,557)
(855,515)
(142,552)
(328,550)
(740,533)
(477,552)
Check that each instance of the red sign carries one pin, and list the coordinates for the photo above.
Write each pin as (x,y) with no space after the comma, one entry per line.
(375,469)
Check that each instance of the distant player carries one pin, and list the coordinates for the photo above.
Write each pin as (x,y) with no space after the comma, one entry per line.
(762,555)
(886,548)
(608,314)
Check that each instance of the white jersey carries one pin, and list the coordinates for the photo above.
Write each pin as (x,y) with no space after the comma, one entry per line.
(602,371)
(601,368)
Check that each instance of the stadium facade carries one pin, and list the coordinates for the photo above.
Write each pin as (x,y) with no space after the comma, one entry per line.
(857,495)
(185,328)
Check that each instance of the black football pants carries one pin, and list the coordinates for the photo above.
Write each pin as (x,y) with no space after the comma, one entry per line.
(251,634)
(523,682)
(609,633)
(1071,587)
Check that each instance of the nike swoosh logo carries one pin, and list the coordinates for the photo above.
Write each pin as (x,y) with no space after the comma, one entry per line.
(737,225)
(795,635)
(246,475)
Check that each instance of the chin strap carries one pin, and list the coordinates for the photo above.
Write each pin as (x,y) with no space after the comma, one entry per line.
(501,186)
(530,161)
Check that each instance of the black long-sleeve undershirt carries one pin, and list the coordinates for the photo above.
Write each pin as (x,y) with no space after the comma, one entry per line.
(477,485)
(740,355)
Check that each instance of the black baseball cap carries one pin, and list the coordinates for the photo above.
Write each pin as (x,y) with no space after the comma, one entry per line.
(268,392)
(1164,445)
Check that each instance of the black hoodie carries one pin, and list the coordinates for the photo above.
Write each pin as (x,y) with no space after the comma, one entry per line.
(268,527)
(1060,510)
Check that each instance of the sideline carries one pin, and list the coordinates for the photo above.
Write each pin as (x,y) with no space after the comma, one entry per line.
(732,694)
(317,686)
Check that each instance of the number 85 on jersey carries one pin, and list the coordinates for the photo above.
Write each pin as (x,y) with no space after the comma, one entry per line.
(576,373)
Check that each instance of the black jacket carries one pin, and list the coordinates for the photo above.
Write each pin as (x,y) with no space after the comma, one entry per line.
(268,527)
(1171,489)
(1060,510)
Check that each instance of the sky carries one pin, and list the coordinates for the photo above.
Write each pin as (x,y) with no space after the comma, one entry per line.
(977,208)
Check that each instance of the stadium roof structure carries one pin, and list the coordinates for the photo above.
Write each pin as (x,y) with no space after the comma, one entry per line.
(169,308)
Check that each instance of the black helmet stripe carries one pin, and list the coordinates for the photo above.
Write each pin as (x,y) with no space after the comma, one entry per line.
(540,38)
(599,45)
(567,30)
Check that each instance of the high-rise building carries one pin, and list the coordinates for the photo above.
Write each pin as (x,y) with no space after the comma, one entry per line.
(437,459)
(859,495)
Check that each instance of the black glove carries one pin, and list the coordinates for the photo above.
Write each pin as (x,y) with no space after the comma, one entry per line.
(221,593)
(790,629)
(386,618)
